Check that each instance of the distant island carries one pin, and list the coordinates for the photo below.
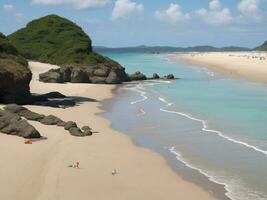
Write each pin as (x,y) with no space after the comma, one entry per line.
(263,47)
(168,49)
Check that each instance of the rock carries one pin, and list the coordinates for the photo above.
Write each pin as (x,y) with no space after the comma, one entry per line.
(14,108)
(52,76)
(98,80)
(79,76)
(137,76)
(12,124)
(156,76)
(76,132)
(15,75)
(102,72)
(87,131)
(24,112)
(66,73)
(169,76)
(69,125)
(51,120)
(113,78)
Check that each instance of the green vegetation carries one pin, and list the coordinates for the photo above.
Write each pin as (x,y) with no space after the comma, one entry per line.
(9,54)
(262,47)
(56,40)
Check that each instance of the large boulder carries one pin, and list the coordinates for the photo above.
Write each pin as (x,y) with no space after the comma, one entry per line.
(169,76)
(52,76)
(52,120)
(69,125)
(79,76)
(24,112)
(137,76)
(155,76)
(12,124)
(15,75)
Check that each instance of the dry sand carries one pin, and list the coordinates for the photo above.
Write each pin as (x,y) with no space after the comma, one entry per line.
(247,65)
(40,171)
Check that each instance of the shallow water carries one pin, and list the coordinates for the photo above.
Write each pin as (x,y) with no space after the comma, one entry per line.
(211,129)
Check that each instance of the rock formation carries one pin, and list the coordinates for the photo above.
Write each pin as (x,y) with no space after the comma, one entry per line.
(62,42)
(137,76)
(12,115)
(13,124)
(15,75)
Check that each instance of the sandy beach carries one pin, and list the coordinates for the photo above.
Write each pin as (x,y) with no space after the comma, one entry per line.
(40,171)
(247,65)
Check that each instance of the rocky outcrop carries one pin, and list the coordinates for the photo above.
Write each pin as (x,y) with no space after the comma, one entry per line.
(13,113)
(155,76)
(169,76)
(98,74)
(51,120)
(13,124)
(15,75)
(137,76)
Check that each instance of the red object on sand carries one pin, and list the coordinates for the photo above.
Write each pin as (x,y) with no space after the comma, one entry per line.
(28,142)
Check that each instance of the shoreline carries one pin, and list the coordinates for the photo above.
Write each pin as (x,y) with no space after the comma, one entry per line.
(43,165)
(243,65)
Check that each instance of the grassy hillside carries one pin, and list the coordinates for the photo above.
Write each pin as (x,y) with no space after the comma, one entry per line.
(55,40)
(262,47)
(8,53)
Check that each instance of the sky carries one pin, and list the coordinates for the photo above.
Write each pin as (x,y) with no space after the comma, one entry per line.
(120,23)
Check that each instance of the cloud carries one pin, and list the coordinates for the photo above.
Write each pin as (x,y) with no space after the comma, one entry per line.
(215,14)
(250,9)
(8,7)
(172,15)
(77,4)
(124,8)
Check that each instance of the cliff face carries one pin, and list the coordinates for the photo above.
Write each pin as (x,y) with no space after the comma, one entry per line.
(15,76)
(56,40)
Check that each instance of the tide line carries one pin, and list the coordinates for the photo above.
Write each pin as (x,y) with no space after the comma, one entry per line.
(205,127)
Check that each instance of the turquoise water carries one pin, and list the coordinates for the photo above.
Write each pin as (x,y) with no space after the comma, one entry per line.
(204,122)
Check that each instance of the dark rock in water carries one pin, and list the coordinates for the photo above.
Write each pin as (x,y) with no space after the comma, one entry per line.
(87,131)
(69,125)
(155,76)
(15,75)
(51,120)
(79,76)
(52,76)
(137,76)
(12,124)
(169,76)
(76,132)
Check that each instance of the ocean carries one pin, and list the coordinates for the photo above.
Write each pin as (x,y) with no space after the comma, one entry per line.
(211,129)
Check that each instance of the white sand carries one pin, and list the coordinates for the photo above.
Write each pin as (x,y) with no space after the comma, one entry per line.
(248,65)
(40,171)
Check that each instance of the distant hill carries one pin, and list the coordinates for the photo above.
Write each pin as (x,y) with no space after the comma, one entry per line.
(15,75)
(56,40)
(167,49)
(263,47)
